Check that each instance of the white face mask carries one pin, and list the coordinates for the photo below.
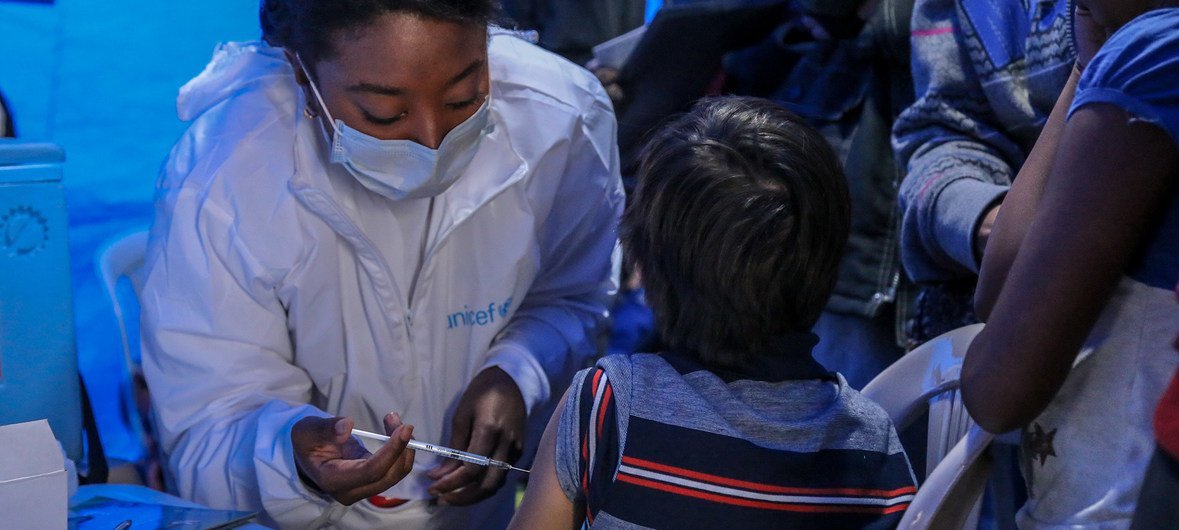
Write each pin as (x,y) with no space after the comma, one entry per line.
(403,169)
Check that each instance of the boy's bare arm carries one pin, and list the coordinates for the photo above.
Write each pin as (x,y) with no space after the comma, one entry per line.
(545,504)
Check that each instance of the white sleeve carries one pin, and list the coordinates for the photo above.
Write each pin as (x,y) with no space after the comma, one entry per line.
(218,359)
(555,330)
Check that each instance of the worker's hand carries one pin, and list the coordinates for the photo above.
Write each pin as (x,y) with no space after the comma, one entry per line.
(335,462)
(609,79)
(489,421)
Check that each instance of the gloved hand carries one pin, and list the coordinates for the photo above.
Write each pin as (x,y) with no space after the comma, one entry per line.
(489,421)
(333,462)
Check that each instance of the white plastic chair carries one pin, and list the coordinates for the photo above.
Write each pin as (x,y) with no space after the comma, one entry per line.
(927,378)
(124,259)
(951,495)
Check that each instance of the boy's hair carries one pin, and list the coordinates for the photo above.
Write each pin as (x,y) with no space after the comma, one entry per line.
(738,224)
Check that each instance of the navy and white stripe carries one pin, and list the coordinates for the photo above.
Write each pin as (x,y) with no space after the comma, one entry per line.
(663,443)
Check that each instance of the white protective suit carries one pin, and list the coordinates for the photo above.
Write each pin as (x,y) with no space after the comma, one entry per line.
(277,287)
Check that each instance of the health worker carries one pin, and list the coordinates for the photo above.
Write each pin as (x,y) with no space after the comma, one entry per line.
(386,206)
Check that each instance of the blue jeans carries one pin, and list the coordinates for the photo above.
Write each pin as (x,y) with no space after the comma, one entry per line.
(856,346)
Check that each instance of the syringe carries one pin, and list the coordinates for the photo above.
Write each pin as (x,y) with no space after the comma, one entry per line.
(445,452)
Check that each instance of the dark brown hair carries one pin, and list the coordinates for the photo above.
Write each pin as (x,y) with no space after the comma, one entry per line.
(738,224)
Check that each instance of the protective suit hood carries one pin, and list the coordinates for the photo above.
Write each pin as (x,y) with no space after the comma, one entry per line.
(235,67)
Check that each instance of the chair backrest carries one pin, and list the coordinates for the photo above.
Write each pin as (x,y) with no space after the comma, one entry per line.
(927,379)
(951,494)
(123,259)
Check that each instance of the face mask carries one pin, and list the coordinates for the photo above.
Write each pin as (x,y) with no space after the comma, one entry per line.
(403,169)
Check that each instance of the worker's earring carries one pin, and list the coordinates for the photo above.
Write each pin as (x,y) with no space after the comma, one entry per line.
(311,114)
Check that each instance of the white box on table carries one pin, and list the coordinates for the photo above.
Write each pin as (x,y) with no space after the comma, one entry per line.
(34,491)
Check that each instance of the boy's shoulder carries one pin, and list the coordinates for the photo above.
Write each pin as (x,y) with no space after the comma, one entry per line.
(869,415)
(815,433)
(625,367)
(663,373)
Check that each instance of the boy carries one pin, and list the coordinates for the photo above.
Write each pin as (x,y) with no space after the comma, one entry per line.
(738,224)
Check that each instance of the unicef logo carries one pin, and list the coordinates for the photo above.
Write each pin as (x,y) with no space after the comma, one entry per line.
(23,231)
(479,317)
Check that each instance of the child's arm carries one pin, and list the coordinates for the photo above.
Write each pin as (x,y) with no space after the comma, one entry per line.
(545,504)
(1110,178)
(1019,207)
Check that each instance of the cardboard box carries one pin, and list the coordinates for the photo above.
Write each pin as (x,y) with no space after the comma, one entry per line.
(34,492)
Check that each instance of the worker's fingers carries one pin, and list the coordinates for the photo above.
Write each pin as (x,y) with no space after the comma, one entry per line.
(479,489)
(400,466)
(606,75)
(444,468)
(460,436)
(343,478)
(493,478)
(392,422)
(378,469)
(615,92)
(609,79)
(399,435)
(476,491)
(505,451)
(354,450)
(404,463)
(466,476)
(484,439)
(313,432)
(313,442)
(342,430)
(397,472)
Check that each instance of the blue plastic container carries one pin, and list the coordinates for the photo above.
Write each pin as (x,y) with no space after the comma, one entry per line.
(38,356)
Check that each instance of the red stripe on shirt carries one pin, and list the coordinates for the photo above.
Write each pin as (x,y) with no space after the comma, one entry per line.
(766,505)
(768,488)
(585,464)
(602,408)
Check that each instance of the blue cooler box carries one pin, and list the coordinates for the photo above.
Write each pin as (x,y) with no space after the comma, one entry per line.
(38,359)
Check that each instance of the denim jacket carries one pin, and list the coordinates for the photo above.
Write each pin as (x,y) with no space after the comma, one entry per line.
(851,88)
(987,74)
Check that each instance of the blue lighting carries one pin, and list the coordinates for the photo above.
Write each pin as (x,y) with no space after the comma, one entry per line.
(652,8)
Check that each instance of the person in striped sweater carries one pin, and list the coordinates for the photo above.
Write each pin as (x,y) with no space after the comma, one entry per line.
(739,220)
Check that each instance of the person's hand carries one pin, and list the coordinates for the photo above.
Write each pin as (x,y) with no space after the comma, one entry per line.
(609,80)
(489,421)
(1088,33)
(984,231)
(335,462)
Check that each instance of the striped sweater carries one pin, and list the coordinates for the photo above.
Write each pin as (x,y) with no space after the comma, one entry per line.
(659,441)
(987,74)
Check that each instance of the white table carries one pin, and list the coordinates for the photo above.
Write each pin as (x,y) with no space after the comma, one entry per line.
(133,493)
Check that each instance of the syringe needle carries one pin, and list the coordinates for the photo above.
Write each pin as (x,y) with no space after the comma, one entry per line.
(442,451)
